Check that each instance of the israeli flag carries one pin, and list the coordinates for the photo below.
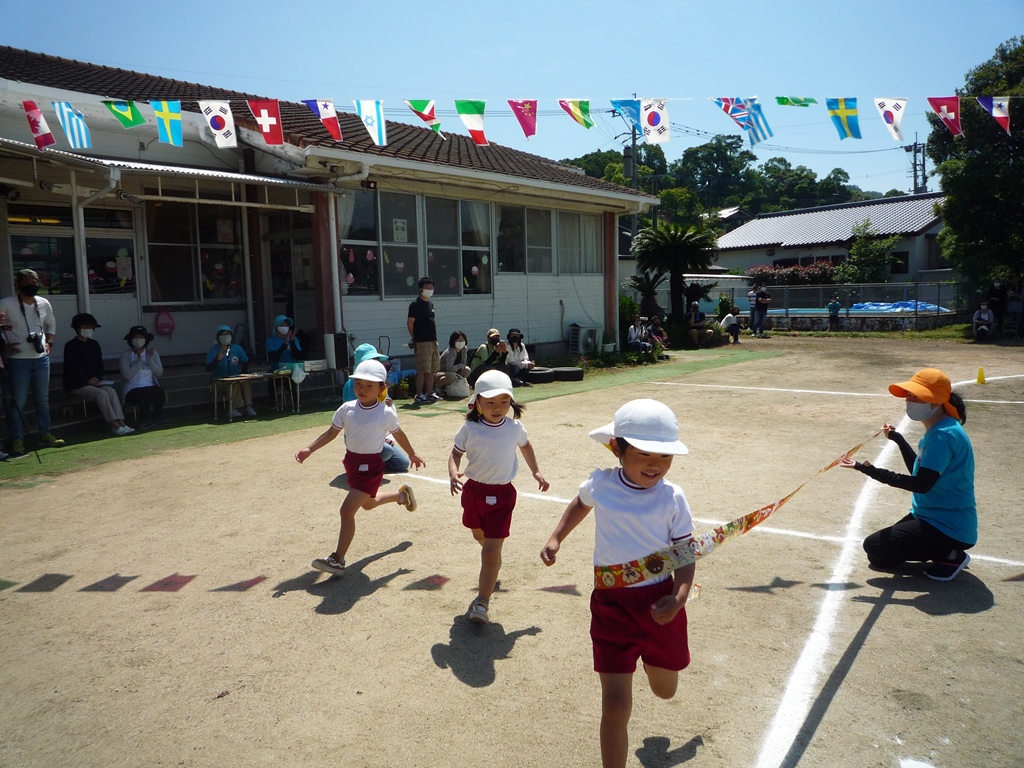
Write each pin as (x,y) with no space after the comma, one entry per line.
(372,115)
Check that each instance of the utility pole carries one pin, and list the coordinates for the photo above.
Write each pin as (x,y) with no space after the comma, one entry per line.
(920,176)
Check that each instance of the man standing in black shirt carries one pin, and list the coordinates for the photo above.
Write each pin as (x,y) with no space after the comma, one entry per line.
(423,336)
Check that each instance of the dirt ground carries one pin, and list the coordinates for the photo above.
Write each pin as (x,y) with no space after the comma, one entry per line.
(259,661)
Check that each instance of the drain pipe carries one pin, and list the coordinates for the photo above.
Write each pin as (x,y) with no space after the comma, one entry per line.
(78,210)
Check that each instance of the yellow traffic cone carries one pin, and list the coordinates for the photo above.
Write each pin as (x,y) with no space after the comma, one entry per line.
(981,376)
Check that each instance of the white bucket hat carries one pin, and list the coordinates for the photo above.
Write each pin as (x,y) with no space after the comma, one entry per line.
(492,383)
(370,370)
(645,424)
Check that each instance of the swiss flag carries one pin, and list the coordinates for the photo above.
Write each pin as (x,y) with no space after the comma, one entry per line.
(40,130)
(948,110)
(267,114)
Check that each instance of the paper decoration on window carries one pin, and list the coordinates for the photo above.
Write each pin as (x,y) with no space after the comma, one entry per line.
(525,111)
(424,110)
(324,109)
(578,110)
(654,118)
(472,114)
(126,112)
(891,111)
(758,129)
(221,122)
(997,106)
(37,124)
(267,114)
(795,101)
(629,109)
(948,110)
(168,122)
(372,115)
(844,117)
(73,123)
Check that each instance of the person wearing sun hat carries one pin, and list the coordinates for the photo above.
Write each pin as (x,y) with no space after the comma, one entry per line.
(141,368)
(943,520)
(637,606)
(84,376)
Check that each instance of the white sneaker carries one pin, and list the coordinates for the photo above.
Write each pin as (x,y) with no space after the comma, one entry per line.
(478,611)
(236,414)
(250,411)
(123,430)
(329,564)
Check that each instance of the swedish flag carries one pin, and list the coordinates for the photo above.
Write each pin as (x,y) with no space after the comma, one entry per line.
(168,121)
(844,117)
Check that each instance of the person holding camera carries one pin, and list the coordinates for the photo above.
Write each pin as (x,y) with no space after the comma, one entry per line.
(493,353)
(29,331)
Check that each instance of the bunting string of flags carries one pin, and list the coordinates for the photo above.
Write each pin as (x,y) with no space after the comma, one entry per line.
(648,117)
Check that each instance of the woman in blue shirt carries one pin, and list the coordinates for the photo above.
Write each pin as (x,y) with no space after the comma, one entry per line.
(943,520)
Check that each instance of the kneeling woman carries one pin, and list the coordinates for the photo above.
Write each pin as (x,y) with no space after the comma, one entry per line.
(943,519)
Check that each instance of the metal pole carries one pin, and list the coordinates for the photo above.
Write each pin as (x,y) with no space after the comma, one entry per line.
(632,135)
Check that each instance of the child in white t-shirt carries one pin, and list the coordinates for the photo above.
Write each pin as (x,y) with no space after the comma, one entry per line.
(731,324)
(367,420)
(637,607)
(488,439)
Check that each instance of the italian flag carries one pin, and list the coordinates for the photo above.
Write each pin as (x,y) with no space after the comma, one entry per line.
(472,114)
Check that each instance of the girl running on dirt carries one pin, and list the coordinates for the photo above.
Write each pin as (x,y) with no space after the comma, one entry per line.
(488,439)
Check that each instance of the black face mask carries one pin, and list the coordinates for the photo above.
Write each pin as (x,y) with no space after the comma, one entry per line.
(30,290)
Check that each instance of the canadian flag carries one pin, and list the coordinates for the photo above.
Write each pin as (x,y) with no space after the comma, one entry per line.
(40,130)
(267,113)
(948,110)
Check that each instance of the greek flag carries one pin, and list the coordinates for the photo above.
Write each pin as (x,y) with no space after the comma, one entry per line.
(372,115)
(73,123)
(757,128)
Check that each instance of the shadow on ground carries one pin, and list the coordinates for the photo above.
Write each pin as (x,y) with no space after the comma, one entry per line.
(655,752)
(472,650)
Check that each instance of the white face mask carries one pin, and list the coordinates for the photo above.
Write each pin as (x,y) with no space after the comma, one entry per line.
(283,329)
(460,344)
(138,343)
(427,292)
(85,333)
(224,338)
(921,411)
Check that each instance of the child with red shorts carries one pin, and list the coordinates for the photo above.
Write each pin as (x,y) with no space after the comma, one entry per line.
(636,612)
(488,439)
(367,420)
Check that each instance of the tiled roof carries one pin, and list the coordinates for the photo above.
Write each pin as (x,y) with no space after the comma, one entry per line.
(829,224)
(301,126)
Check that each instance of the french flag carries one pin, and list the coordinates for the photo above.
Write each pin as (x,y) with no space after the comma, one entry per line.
(324,109)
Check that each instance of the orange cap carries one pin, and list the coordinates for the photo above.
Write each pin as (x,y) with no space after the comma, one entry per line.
(931,385)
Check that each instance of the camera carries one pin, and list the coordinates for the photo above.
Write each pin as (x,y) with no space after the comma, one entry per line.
(37,342)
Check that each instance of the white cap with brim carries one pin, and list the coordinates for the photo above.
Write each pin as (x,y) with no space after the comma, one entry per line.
(491,384)
(646,425)
(370,370)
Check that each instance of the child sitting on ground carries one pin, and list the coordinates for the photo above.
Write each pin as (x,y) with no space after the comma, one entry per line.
(488,439)
(637,606)
(367,420)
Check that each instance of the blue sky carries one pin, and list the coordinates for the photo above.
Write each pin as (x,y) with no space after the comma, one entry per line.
(685,51)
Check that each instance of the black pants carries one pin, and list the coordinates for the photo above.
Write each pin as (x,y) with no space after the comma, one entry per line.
(149,400)
(909,539)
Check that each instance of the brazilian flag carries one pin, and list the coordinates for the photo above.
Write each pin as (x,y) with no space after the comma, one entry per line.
(127,114)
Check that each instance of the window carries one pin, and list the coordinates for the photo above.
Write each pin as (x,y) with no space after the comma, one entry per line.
(538,241)
(53,257)
(195,252)
(360,248)
(399,249)
(900,263)
(578,244)
(511,239)
(476,247)
(443,246)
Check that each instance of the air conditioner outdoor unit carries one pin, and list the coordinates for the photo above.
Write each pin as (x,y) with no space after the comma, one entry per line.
(582,338)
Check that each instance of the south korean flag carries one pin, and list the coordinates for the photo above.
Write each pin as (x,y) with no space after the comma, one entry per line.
(892,111)
(221,123)
(654,119)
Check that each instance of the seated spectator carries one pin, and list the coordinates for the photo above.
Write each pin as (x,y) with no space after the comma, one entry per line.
(696,321)
(984,320)
(658,334)
(637,339)
(84,375)
(491,354)
(395,459)
(224,360)
(731,324)
(519,361)
(454,361)
(141,368)
(283,347)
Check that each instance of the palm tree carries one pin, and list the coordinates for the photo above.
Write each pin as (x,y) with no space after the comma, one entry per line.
(647,285)
(677,250)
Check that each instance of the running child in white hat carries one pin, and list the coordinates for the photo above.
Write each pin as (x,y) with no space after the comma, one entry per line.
(637,606)
(367,420)
(488,439)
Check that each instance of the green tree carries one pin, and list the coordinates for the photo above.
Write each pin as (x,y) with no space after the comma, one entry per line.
(983,174)
(676,250)
(647,284)
(869,256)
(679,206)
(653,156)
(718,172)
(595,163)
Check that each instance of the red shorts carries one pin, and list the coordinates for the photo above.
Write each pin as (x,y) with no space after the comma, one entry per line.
(488,507)
(364,471)
(622,630)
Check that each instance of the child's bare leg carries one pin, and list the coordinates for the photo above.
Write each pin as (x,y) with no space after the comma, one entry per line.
(663,681)
(349,507)
(490,562)
(616,707)
(382,497)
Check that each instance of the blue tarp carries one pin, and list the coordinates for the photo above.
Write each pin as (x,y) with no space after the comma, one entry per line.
(898,306)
